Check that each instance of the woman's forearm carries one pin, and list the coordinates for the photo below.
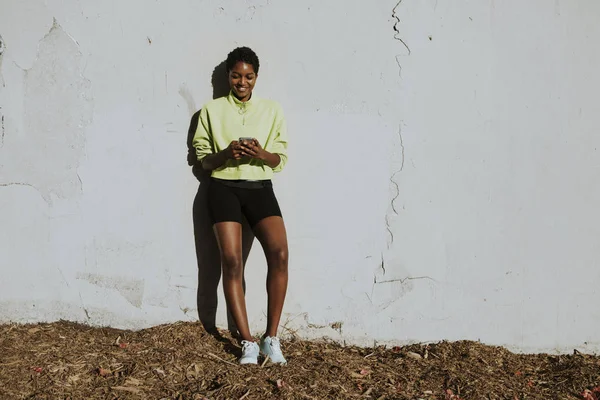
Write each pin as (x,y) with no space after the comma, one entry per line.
(271,159)
(214,161)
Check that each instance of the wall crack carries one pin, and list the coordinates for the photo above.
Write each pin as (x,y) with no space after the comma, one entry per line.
(396,30)
(397,187)
(17,184)
(409,278)
(389,230)
(393,176)
(87,314)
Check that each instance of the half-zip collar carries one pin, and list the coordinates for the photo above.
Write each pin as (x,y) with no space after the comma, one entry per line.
(240,105)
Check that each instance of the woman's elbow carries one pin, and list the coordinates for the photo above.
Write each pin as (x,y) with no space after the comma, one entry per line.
(281,164)
(205,165)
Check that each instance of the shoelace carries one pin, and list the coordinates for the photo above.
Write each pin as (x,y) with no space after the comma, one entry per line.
(246,345)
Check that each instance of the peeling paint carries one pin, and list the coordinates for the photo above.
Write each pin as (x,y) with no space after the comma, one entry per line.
(311,325)
(3,131)
(58,106)
(337,326)
(27,311)
(2,83)
(131,289)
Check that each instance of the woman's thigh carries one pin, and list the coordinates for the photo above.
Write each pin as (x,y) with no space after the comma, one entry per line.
(258,204)
(223,203)
(271,234)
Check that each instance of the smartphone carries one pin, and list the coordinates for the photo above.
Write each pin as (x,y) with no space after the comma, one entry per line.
(246,139)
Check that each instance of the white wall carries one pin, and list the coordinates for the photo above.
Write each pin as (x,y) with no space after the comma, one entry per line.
(449,192)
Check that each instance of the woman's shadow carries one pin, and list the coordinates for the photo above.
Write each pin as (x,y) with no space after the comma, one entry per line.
(207,251)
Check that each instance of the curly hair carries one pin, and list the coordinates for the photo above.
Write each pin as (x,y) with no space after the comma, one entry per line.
(243,54)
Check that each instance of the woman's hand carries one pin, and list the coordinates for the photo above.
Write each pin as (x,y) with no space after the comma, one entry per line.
(216,160)
(234,150)
(252,149)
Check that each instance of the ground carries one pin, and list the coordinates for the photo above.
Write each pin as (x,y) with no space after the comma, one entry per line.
(64,360)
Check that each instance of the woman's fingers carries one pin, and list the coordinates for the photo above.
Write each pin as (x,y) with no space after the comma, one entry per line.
(249,150)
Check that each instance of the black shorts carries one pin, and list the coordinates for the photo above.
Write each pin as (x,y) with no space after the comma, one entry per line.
(230,200)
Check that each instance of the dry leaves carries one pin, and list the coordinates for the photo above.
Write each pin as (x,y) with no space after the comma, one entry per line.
(183,362)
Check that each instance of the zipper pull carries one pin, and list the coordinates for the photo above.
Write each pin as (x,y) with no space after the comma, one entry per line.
(242,111)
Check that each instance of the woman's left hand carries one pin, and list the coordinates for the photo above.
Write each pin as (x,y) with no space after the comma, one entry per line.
(253,149)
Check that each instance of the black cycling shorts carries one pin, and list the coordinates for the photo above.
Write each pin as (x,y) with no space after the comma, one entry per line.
(230,200)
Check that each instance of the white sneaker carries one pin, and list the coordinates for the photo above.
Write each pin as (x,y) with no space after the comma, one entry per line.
(271,347)
(249,352)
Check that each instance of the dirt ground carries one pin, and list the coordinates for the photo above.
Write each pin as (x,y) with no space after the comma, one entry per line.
(182,361)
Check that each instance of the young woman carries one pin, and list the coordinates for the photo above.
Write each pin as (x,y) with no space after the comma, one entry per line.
(242,139)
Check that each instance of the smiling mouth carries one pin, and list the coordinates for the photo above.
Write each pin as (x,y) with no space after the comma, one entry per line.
(242,89)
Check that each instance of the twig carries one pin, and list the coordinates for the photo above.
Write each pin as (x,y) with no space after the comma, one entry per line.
(264,362)
(246,395)
(220,359)
(10,363)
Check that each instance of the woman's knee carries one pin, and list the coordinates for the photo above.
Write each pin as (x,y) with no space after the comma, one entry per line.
(233,266)
(278,258)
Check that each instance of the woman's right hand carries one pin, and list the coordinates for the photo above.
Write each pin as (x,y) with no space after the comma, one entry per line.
(234,150)
(217,160)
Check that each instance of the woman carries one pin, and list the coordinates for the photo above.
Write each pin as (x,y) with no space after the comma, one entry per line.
(242,139)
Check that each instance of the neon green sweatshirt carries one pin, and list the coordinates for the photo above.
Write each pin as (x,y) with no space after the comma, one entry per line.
(226,119)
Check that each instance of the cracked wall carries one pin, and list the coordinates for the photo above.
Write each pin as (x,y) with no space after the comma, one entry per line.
(58,107)
(433,206)
(2,84)
(131,289)
(1,54)
(398,278)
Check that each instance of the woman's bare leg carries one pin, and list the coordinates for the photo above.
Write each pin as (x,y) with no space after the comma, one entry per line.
(272,236)
(229,238)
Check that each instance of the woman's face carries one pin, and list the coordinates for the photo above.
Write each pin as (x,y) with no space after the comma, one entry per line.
(242,79)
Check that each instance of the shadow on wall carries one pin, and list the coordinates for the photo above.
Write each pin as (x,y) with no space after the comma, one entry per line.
(207,251)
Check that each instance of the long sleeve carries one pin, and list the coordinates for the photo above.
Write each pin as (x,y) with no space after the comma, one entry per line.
(221,121)
(202,141)
(280,140)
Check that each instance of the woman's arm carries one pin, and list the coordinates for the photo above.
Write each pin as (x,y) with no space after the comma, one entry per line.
(203,143)
(255,150)
(276,157)
(271,159)
(216,160)
(280,140)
